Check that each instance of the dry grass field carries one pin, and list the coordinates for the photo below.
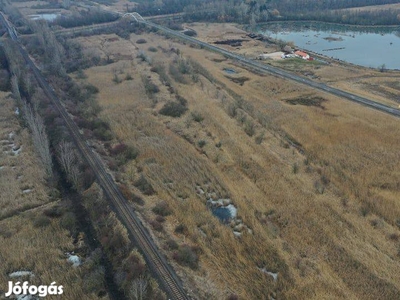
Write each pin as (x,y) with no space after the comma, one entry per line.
(29,239)
(323,215)
(395,6)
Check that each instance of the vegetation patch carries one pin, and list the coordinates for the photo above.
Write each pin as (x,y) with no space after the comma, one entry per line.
(173,109)
(307,101)
(238,80)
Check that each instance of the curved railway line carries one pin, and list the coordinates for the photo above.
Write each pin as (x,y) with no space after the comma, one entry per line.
(156,261)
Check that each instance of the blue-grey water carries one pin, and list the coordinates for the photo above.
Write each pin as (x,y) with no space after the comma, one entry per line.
(369,47)
(47,17)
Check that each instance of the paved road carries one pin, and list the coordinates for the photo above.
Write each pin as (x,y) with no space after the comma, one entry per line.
(266,69)
(155,260)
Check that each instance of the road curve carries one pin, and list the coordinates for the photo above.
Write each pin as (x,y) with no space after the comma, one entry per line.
(267,69)
(157,263)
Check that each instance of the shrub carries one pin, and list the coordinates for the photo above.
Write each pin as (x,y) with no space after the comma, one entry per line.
(128,77)
(116,79)
(295,168)
(160,219)
(156,225)
(149,86)
(176,74)
(249,128)
(175,26)
(53,212)
(173,109)
(118,149)
(124,152)
(41,221)
(94,281)
(259,138)
(190,32)
(181,229)
(197,117)
(162,209)
(125,191)
(141,41)
(68,221)
(103,134)
(171,244)
(152,49)
(144,186)
(201,143)
(131,152)
(186,256)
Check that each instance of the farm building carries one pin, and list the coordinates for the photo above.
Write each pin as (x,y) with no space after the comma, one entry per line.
(302,54)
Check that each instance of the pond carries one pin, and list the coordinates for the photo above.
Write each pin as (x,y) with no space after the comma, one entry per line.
(225,213)
(365,46)
(230,71)
(47,17)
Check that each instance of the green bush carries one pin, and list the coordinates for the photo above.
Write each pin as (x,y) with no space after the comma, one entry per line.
(173,109)
(141,41)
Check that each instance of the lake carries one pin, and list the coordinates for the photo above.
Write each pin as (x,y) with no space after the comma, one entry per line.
(365,46)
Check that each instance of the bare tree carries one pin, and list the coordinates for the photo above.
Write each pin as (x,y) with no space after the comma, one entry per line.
(39,135)
(69,162)
(139,288)
(15,87)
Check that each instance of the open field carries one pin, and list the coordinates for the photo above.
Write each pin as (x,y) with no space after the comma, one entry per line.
(324,218)
(395,6)
(34,224)
(365,82)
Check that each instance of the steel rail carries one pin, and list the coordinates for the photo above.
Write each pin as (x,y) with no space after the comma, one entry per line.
(137,232)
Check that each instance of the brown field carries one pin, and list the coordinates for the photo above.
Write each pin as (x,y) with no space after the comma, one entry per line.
(29,240)
(325,218)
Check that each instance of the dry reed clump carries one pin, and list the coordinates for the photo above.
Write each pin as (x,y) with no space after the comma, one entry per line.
(305,233)
(22,176)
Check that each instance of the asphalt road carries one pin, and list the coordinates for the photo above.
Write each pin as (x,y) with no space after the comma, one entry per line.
(267,69)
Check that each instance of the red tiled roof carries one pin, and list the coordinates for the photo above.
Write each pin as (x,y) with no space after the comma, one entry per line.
(301,53)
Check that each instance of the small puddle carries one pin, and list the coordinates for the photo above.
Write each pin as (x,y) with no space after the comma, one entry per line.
(229,71)
(47,17)
(223,209)
(74,259)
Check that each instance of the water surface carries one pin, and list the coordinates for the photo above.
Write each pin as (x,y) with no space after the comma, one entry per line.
(365,46)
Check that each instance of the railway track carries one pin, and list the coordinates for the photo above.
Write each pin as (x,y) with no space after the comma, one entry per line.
(157,263)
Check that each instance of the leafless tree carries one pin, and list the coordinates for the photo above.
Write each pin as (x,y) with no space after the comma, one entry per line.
(15,87)
(69,162)
(139,288)
(39,135)
(53,51)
